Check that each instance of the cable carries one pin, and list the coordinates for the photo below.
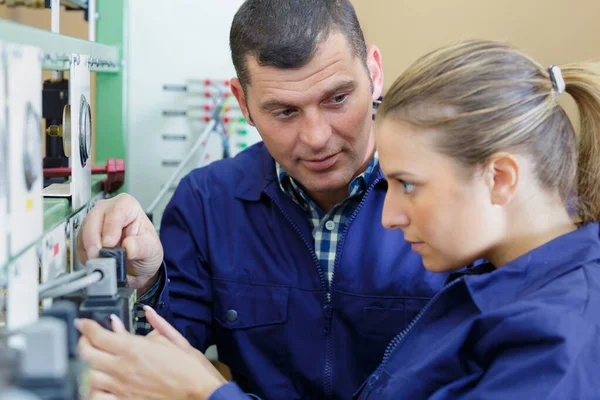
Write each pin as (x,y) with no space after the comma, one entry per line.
(204,136)
(74,286)
(61,280)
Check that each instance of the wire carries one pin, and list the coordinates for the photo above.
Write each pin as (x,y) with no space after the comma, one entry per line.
(74,286)
(204,136)
(61,280)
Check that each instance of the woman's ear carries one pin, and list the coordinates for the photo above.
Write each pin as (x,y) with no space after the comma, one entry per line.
(502,176)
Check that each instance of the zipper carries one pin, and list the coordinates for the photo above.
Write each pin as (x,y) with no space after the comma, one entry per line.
(340,245)
(396,341)
(328,360)
(326,286)
(306,243)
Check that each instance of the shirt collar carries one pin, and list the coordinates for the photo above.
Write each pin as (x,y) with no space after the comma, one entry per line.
(288,185)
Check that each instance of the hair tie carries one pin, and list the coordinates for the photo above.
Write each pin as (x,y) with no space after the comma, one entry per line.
(558,82)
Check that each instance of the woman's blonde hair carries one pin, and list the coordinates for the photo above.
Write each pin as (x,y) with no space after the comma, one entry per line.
(486,97)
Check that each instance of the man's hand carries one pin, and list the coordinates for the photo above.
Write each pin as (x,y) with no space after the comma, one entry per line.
(121,222)
(125,366)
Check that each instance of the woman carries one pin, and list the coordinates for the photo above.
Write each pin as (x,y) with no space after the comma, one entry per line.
(482,163)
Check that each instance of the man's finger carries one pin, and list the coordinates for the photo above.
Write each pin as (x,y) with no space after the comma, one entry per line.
(166,329)
(102,339)
(89,239)
(123,212)
(141,247)
(99,359)
(102,382)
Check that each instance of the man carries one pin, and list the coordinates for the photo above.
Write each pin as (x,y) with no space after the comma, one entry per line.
(278,256)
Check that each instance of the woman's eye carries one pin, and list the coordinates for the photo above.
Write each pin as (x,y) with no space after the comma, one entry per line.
(408,187)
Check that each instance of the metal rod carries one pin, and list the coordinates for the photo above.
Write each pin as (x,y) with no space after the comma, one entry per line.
(61,280)
(55,15)
(92,20)
(73,286)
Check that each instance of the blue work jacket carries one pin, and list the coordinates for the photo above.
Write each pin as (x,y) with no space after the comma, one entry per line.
(528,330)
(242,273)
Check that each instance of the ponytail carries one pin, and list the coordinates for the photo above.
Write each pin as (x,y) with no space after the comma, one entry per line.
(583,84)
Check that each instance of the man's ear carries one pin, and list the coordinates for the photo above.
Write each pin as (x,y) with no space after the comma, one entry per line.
(240,95)
(375,66)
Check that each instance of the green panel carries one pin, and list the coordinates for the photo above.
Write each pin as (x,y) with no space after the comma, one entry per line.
(56,211)
(111,105)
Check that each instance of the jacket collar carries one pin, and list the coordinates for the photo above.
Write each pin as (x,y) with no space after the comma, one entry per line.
(535,269)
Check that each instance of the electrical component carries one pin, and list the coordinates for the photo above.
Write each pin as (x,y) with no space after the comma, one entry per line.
(55,98)
(25,219)
(76,131)
(102,297)
(128,294)
(47,367)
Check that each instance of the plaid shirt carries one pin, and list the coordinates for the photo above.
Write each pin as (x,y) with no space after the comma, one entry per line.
(328,227)
(327,230)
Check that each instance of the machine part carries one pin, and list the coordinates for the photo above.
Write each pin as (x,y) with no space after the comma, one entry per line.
(54,130)
(118,254)
(45,354)
(114,169)
(85,130)
(79,92)
(9,372)
(32,153)
(107,285)
(55,96)
(26,219)
(129,295)
(66,130)
(67,312)
(88,281)
(103,298)
(46,370)
(61,280)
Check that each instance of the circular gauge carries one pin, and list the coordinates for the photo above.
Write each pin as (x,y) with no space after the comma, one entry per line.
(66,128)
(32,150)
(85,130)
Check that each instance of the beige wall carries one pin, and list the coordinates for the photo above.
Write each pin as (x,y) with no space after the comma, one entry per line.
(551,31)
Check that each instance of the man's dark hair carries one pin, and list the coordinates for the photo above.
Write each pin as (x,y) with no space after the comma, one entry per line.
(286,33)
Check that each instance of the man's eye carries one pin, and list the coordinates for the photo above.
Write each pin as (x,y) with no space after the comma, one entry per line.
(339,99)
(285,113)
